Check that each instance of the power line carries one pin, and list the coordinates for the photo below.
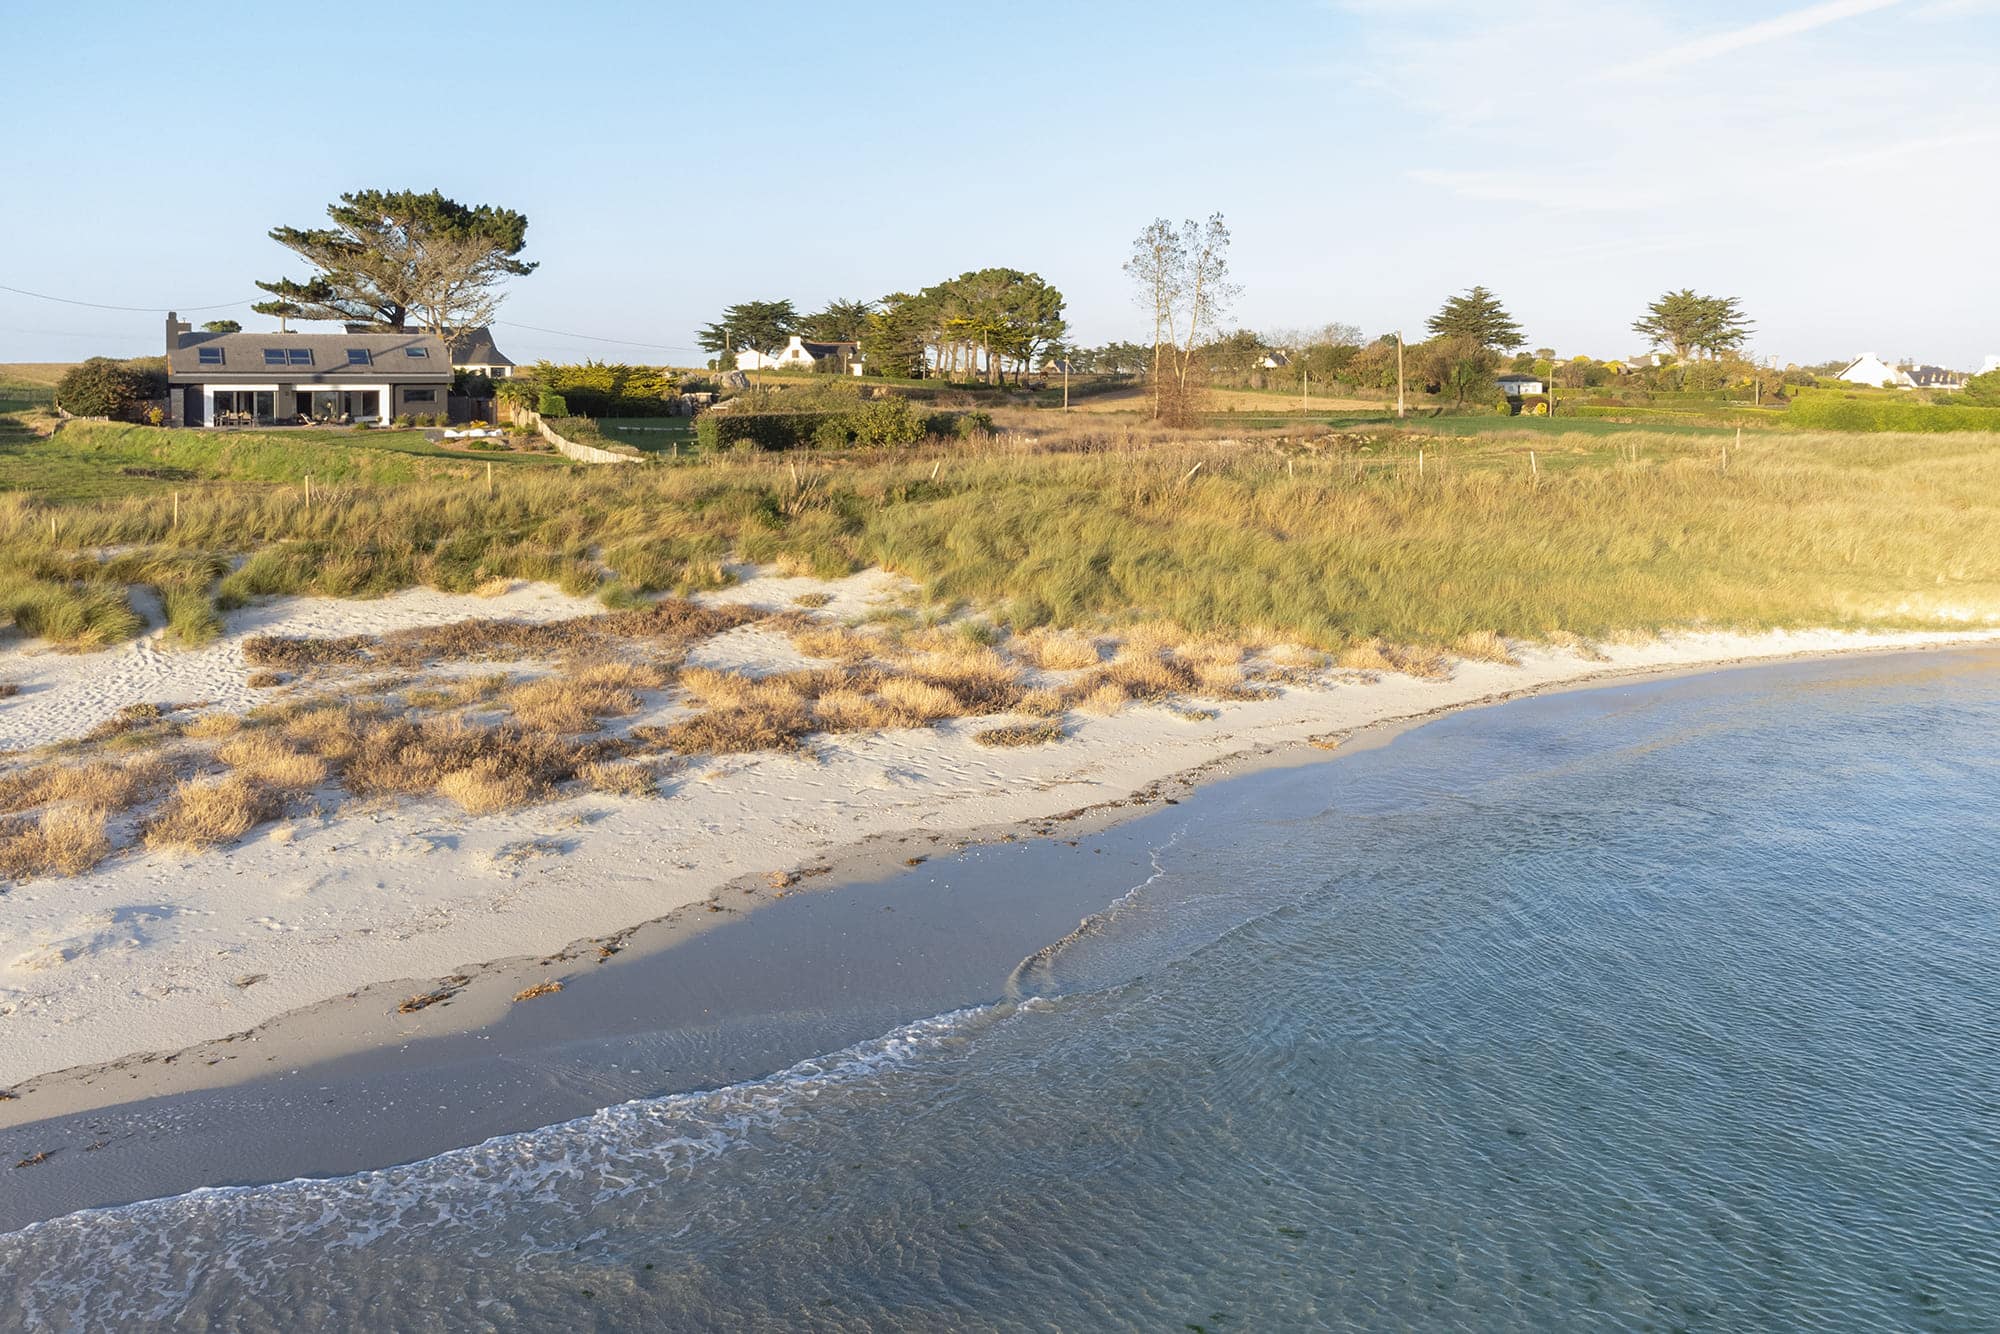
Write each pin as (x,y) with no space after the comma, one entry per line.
(592,338)
(98,305)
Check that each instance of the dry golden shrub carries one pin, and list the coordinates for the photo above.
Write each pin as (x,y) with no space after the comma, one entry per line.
(1040,703)
(65,841)
(812,599)
(980,679)
(669,620)
(1103,698)
(1020,734)
(265,680)
(1057,650)
(576,701)
(486,786)
(208,726)
(97,786)
(1485,646)
(203,813)
(331,732)
(835,642)
(738,730)
(268,760)
(912,701)
(1369,655)
(1148,674)
(851,711)
(540,989)
(295,652)
(623,780)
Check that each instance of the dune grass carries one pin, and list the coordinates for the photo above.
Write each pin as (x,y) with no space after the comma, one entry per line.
(1331,542)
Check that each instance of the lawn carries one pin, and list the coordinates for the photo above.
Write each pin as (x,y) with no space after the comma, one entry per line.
(655,435)
(98,460)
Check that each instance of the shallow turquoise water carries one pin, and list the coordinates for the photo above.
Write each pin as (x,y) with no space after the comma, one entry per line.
(1671,1006)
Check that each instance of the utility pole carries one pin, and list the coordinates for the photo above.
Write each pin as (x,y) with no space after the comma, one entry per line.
(1399,372)
(1065,382)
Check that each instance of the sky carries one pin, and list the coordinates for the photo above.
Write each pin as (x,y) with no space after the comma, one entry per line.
(1835,165)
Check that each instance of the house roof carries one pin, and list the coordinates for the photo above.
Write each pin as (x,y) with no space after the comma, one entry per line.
(475,347)
(404,358)
(1518,377)
(819,349)
(1931,377)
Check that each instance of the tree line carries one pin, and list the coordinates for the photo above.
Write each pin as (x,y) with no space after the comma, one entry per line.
(984,324)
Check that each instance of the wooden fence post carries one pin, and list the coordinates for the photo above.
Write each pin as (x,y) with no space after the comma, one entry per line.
(1534,468)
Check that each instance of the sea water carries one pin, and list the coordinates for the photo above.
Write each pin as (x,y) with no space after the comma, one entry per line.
(1665,1006)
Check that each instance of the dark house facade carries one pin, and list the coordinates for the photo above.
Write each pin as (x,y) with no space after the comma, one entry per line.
(283,379)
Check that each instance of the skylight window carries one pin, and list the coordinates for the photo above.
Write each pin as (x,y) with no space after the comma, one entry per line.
(416,352)
(288,356)
(274,356)
(209,356)
(358,356)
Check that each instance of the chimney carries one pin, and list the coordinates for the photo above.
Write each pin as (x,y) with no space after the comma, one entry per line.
(175,328)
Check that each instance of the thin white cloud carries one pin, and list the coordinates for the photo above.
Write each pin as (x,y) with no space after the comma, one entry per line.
(1755,34)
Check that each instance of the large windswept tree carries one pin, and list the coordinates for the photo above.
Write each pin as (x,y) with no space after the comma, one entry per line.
(394,258)
(1689,323)
(840,322)
(1479,316)
(753,326)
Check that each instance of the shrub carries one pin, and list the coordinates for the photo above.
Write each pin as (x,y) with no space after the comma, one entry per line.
(1838,412)
(101,387)
(552,404)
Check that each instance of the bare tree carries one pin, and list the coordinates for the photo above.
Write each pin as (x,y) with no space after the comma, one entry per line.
(1182,277)
(1158,259)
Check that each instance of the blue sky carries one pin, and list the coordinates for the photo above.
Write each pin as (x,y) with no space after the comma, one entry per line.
(1833,164)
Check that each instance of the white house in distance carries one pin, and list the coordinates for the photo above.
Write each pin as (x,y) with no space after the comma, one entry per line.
(1874,372)
(802,354)
(1992,364)
(1519,386)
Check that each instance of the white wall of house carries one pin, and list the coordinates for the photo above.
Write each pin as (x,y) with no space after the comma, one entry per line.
(748,360)
(1519,386)
(1872,371)
(1992,364)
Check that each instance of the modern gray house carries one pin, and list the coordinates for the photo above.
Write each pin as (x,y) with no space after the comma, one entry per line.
(286,379)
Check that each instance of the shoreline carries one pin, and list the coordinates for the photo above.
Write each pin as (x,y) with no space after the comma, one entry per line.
(345,1041)
(481,991)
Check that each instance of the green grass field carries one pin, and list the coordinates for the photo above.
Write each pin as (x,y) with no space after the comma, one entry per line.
(655,435)
(96,460)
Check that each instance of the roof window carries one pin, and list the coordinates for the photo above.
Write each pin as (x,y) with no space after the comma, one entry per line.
(288,356)
(416,352)
(209,356)
(358,356)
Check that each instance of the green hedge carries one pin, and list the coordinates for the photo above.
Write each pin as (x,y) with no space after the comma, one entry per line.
(1829,412)
(884,421)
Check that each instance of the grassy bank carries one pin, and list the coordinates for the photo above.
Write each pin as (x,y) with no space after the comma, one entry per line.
(102,460)
(1330,545)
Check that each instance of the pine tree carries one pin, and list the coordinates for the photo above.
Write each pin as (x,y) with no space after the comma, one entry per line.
(1479,316)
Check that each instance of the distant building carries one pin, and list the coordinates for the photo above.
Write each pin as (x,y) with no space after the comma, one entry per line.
(803,354)
(1275,361)
(473,352)
(284,379)
(1992,364)
(1936,377)
(1874,372)
(1520,386)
